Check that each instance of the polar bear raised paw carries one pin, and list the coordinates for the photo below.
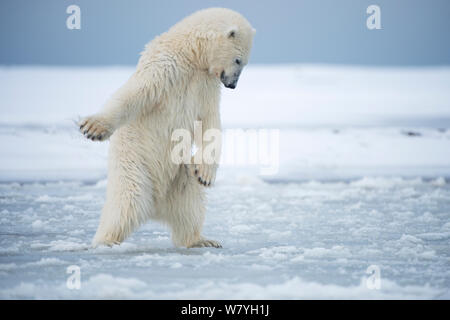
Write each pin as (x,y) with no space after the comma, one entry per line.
(95,128)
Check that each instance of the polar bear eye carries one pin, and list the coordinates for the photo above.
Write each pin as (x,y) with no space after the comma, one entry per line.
(238,61)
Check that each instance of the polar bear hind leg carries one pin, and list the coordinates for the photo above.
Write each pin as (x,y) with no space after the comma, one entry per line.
(184,211)
(128,203)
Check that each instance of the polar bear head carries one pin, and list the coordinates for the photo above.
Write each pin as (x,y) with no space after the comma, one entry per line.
(229,38)
(230,48)
(230,54)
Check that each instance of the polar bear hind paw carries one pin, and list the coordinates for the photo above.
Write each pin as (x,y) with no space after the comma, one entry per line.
(202,243)
(104,242)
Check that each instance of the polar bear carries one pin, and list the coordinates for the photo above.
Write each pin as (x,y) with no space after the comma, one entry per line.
(177,82)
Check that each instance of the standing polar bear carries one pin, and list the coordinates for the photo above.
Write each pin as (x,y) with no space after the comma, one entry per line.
(176,83)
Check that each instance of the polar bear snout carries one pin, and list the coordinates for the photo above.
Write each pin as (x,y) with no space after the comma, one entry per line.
(230,81)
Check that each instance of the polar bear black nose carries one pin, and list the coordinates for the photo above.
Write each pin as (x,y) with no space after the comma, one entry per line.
(230,85)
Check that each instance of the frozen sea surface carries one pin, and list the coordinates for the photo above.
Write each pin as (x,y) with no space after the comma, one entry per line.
(280,240)
(362,180)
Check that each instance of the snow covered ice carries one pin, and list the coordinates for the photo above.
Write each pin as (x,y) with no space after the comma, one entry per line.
(363,180)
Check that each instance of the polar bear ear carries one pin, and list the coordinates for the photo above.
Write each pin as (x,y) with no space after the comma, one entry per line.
(231,32)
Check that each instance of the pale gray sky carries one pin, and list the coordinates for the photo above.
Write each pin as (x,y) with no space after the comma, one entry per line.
(113,32)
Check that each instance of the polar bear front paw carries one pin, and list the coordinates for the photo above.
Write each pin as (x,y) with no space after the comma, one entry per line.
(205,174)
(95,128)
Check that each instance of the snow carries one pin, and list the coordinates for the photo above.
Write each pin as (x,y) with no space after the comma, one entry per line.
(361,178)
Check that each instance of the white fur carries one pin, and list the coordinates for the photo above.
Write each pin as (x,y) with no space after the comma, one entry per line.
(177,82)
